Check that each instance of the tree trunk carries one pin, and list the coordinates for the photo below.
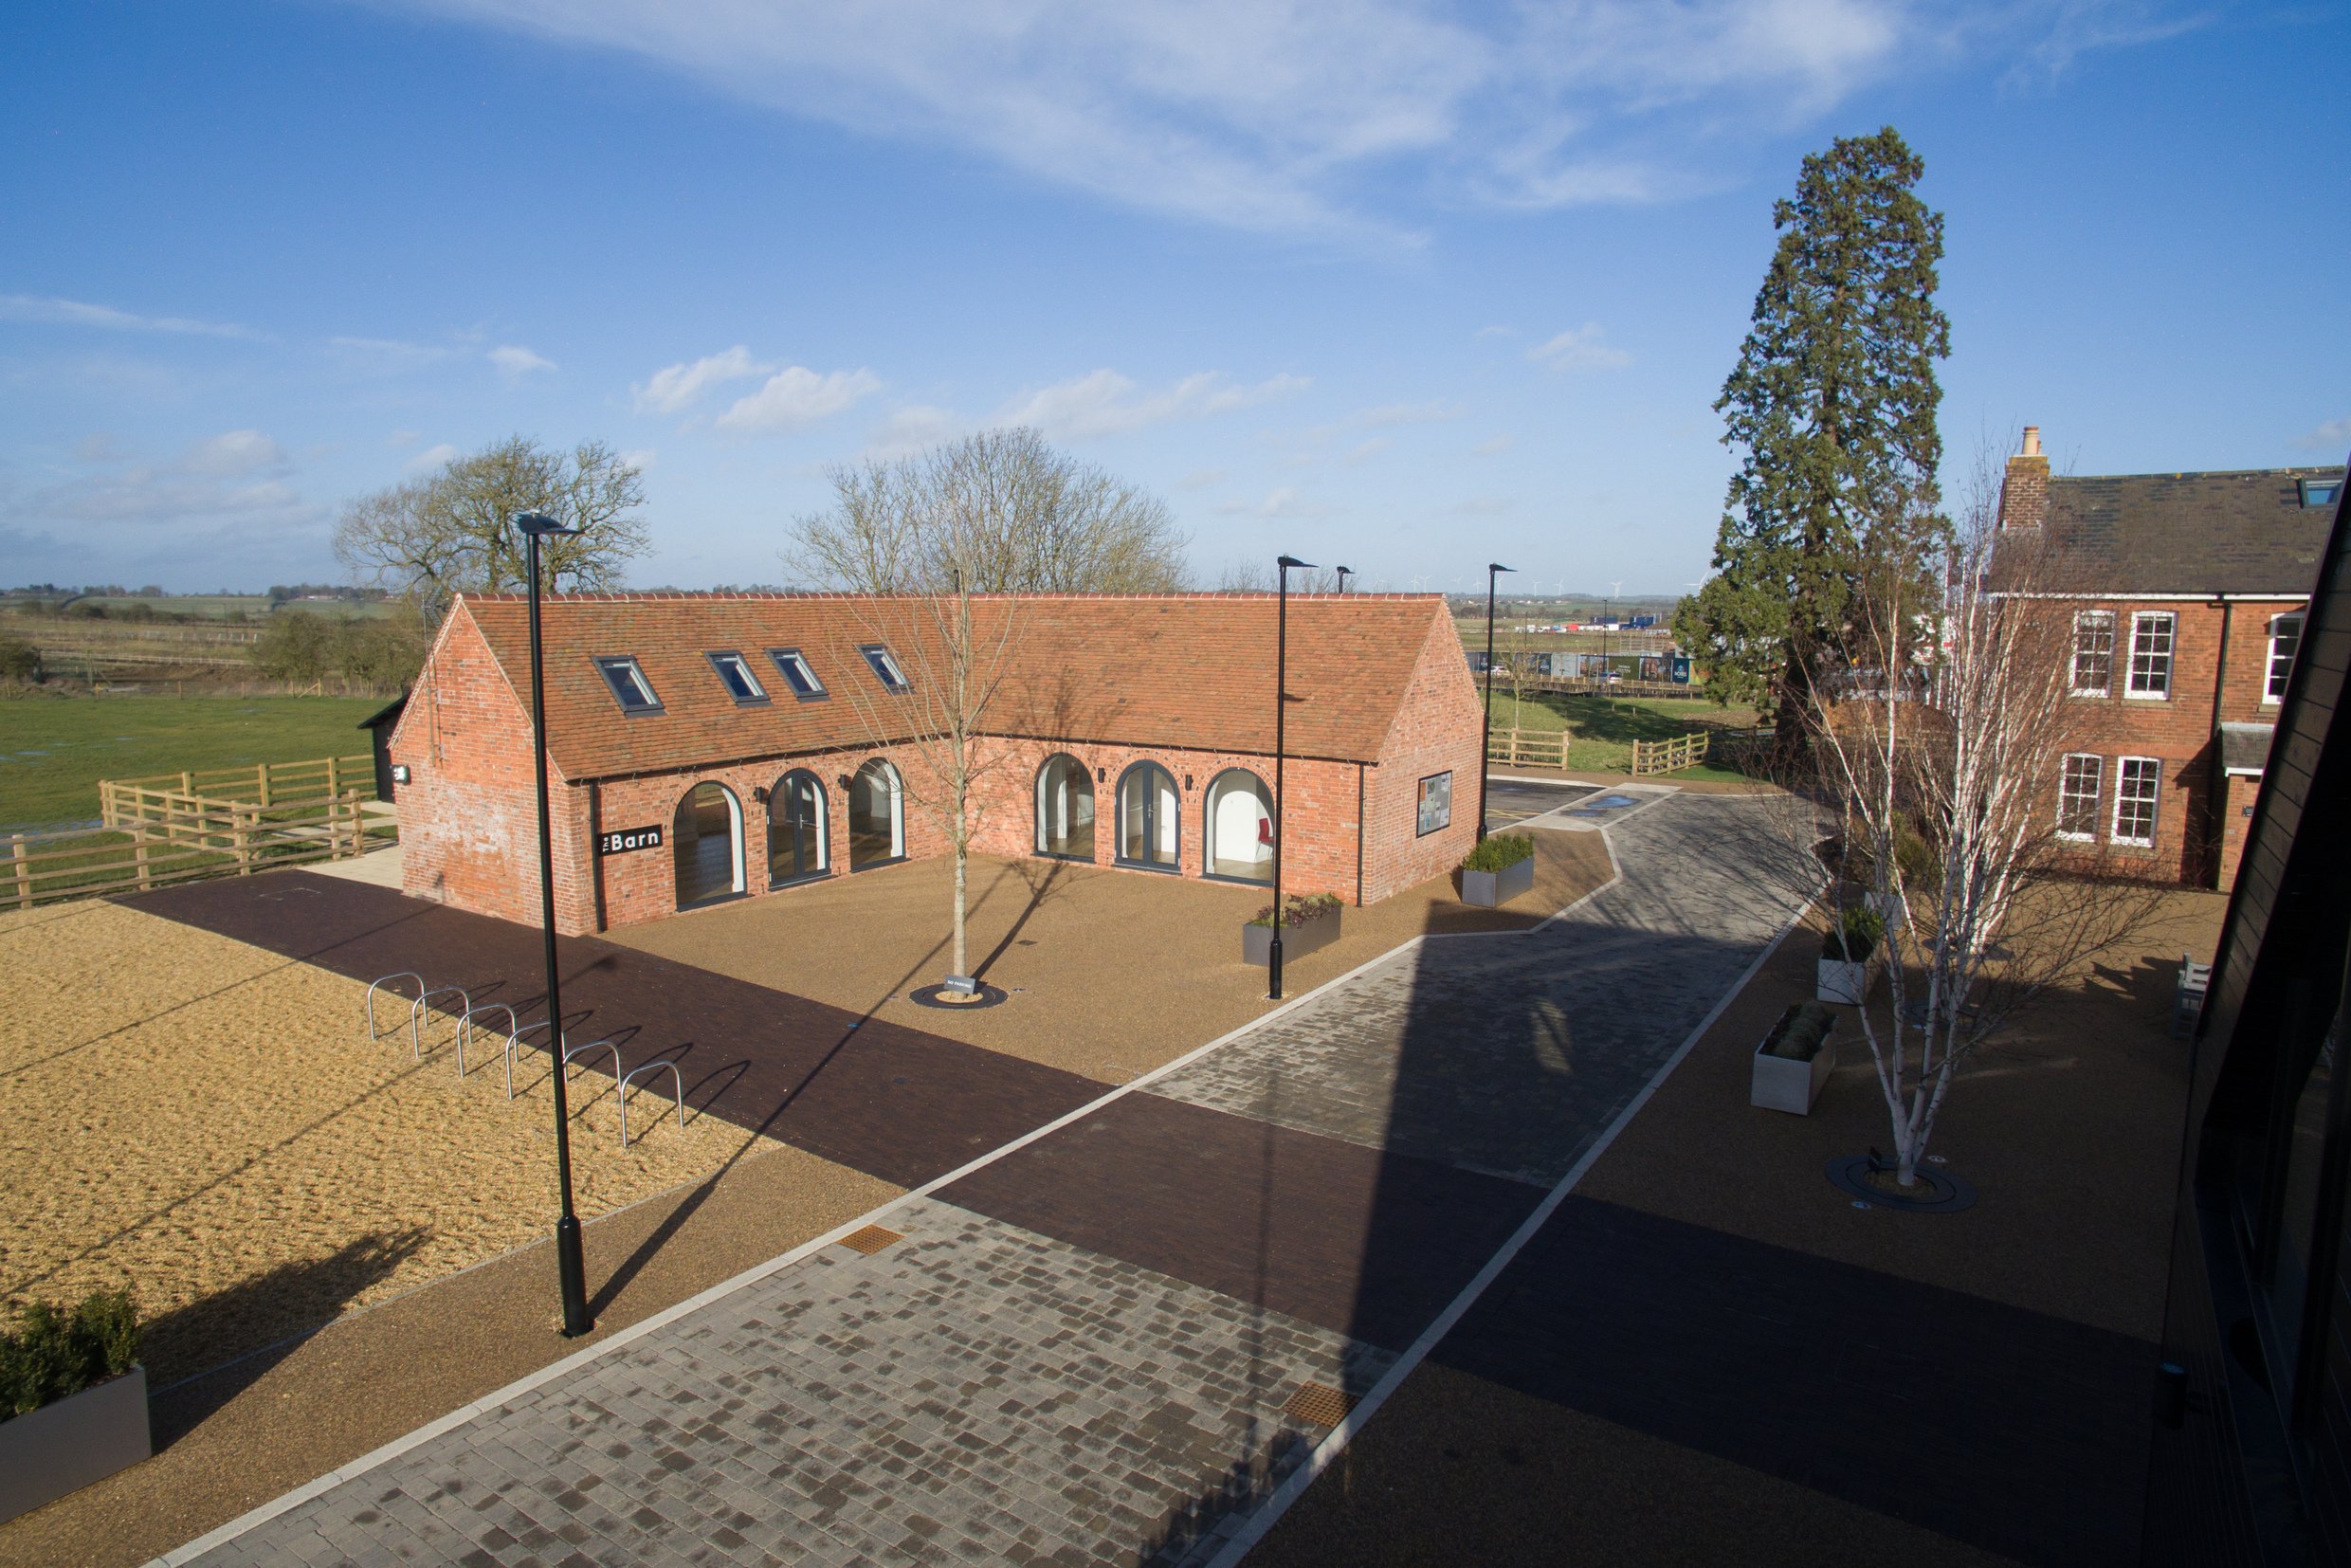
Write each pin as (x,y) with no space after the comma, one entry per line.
(961,856)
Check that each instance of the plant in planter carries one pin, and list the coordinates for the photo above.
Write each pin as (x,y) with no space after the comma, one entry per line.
(1499,869)
(73,1399)
(1793,1060)
(1308,922)
(1849,956)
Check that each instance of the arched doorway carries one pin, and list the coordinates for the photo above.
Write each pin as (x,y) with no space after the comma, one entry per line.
(1239,818)
(1065,809)
(877,816)
(795,828)
(1148,817)
(707,841)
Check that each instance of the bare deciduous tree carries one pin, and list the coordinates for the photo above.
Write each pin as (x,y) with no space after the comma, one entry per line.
(1036,521)
(449,532)
(1937,739)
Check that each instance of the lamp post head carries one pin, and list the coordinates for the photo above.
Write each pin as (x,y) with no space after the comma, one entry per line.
(1493,567)
(540,525)
(1293,563)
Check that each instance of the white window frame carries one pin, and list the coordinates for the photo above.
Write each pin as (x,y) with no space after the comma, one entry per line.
(2096,799)
(2274,687)
(787,659)
(2090,620)
(886,667)
(619,668)
(2152,624)
(2154,800)
(724,658)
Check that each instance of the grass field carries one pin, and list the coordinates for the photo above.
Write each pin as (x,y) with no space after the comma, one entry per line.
(54,751)
(1606,727)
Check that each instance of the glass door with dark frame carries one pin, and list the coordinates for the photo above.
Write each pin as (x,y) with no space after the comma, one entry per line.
(795,828)
(1148,817)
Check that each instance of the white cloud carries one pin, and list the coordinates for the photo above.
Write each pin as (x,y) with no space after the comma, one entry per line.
(641,458)
(677,387)
(2332,437)
(1365,453)
(74,313)
(1200,479)
(1495,445)
(1284,501)
(1277,115)
(1495,332)
(796,396)
(401,438)
(912,429)
(430,459)
(1100,403)
(514,362)
(1579,349)
(235,452)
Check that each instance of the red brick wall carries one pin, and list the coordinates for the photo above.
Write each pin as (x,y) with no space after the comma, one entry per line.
(468,820)
(2179,730)
(1439,726)
(2236,818)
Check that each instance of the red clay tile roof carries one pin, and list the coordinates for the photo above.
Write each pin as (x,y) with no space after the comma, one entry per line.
(1180,671)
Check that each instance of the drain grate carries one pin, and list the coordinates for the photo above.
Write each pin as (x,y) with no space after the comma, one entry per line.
(1320,1403)
(870,1240)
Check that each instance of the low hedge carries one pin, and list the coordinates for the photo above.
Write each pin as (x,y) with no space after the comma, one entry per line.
(1499,853)
(1298,909)
(1801,1032)
(52,1354)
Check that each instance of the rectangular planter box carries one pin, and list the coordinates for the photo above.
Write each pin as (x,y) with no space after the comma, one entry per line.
(1845,983)
(63,1446)
(1297,941)
(1784,1084)
(1492,889)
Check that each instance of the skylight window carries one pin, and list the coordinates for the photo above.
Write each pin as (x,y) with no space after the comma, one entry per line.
(630,687)
(743,685)
(885,665)
(2321,492)
(797,673)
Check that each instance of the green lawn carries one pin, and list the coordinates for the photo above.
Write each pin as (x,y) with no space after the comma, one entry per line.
(53,751)
(1606,727)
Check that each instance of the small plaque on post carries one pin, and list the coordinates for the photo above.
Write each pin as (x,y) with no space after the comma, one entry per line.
(626,839)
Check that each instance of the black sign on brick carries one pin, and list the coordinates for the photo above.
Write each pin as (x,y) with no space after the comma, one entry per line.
(627,839)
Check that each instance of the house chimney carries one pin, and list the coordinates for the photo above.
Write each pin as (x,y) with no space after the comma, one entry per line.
(2023,494)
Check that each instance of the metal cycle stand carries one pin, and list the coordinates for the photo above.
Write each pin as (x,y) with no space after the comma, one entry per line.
(374,986)
(677,1083)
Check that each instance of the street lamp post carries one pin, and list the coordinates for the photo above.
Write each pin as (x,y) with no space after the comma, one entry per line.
(1486,741)
(1280,702)
(570,1267)
(1344,572)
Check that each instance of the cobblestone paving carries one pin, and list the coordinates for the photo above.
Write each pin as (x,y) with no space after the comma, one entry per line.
(1508,1056)
(972,1393)
(981,1393)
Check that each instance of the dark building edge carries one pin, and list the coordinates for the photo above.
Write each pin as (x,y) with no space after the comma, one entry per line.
(2251,1459)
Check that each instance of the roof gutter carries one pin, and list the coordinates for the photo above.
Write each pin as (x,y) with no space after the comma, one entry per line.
(2156,598)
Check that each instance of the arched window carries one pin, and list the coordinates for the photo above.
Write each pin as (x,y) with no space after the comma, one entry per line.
(1148,817)
(1065,809)
(1239,817)
(707,843)
(796,834)
(877,815)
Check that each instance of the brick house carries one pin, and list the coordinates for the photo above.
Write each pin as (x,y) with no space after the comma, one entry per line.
(2186,595)
(704,747)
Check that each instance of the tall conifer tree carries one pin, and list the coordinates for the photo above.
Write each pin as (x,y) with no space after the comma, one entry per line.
(1832,406)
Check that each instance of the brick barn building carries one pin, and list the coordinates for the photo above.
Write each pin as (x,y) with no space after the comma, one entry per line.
(2186,595)
(704,747)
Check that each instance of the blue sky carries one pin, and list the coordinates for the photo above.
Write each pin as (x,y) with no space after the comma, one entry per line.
(1408,287)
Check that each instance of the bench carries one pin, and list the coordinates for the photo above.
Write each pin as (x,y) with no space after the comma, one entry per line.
(2188,1000)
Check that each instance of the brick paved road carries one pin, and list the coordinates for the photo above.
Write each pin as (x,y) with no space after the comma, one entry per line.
(986,1390)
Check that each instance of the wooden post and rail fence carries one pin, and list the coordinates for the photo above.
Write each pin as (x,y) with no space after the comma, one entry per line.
(1550,749)
(172,828)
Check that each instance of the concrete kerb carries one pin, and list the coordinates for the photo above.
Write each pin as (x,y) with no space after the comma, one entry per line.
(1294,1486)
(1329,1448)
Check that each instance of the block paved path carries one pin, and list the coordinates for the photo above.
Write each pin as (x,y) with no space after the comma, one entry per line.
(1086,1350)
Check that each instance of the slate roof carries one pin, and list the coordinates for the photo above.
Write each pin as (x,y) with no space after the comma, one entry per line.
(2245,748)
(1183,670)
(2119,534)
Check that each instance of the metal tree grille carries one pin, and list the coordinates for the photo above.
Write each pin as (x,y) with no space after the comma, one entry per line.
(870,1240)
(1320,1404)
